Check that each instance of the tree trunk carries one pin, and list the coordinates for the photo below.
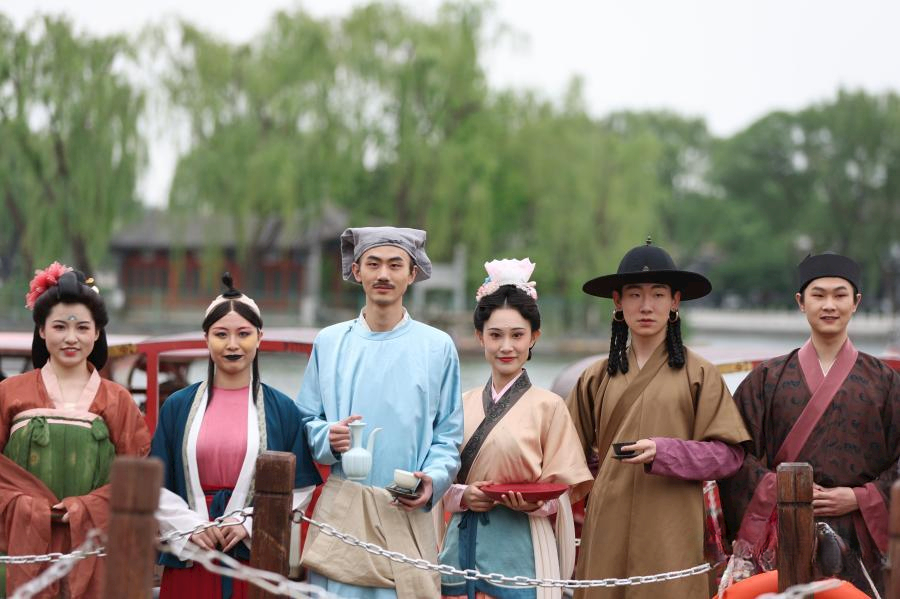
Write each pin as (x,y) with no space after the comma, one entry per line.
(15,245)
(79,251)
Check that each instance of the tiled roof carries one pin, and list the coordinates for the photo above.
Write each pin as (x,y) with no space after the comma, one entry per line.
(159,229)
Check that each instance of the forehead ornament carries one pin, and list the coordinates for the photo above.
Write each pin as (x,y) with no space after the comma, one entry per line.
(71,317)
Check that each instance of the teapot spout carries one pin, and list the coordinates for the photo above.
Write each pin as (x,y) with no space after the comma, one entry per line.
(370,447)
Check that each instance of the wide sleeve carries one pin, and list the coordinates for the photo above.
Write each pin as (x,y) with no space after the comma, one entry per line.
(173,512)
(306,474)
(716,417)
(441,462)
(312,410)
(563,459)
(873,498)
(752,488)
(161,446)
(5,417)
(128,430)
(582,405)
(17,394)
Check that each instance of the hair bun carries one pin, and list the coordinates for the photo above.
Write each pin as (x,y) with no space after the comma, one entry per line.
(228,281)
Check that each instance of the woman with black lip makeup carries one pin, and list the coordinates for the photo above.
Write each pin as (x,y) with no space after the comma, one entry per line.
(209,436)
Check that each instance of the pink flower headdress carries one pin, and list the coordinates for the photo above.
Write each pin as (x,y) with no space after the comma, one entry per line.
(508,272)
(44,280)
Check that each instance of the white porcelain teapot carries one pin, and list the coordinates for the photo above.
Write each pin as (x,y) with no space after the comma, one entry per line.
(357,462)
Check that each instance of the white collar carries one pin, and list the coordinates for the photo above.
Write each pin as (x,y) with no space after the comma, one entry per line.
(365,325)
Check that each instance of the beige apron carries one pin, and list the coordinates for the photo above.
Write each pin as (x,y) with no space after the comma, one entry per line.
(368,514)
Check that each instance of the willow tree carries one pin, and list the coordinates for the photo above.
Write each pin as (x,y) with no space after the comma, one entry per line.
(584,194)
(267,133)
(71,145)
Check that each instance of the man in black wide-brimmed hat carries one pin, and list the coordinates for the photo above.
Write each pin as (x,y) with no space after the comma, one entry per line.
(833,407)
(678,423)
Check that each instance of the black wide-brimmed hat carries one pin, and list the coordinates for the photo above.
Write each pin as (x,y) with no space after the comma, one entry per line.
(650,264)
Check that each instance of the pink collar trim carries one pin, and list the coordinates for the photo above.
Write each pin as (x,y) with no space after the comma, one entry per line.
(812,368)
(54,391)
(495,395)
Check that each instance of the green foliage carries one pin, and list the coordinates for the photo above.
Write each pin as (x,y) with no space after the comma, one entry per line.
(71,149)
(389,117)
(824,178)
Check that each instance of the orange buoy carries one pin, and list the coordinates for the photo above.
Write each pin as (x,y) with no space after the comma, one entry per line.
(767,582)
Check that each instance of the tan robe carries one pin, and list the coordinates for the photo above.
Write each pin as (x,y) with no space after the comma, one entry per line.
(534,442)
(638,523)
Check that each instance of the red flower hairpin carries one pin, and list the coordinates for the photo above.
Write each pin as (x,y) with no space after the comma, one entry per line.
(44,280)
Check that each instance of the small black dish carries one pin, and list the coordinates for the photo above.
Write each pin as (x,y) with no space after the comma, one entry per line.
(396,491)
(619,454)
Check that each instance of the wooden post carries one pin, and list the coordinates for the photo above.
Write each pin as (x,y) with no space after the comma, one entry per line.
(131,540)
(796,528)
(893,569)
(272,503)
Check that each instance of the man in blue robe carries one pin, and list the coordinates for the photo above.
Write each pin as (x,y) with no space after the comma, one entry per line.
(396,374)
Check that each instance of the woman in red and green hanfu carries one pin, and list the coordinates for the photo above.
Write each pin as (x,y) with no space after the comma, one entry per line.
(61,426)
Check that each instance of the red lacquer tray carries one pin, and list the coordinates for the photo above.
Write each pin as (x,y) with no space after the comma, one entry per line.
(531,492)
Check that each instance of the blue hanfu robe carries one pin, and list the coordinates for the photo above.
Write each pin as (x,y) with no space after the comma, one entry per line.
(282,430)
(405,381)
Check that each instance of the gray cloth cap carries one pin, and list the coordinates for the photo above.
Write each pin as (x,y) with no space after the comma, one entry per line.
(356,241)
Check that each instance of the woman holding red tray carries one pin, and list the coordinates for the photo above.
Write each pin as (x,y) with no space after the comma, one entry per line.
(515,433)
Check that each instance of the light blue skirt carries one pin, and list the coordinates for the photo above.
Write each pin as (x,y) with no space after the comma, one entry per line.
(497,541)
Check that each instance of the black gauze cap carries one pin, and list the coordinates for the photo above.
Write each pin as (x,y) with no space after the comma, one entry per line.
(828,265)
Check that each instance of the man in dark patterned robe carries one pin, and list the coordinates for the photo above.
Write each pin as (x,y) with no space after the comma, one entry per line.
(831,406)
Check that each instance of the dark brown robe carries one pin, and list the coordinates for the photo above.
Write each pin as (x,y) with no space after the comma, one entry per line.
(856,444)
(637,523)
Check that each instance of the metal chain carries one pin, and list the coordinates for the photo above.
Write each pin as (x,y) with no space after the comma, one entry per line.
(240,515)
(18,560)
(496,579)
(225,565)
(92,546)
(804,590)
